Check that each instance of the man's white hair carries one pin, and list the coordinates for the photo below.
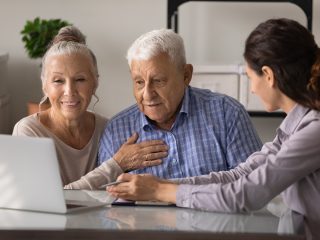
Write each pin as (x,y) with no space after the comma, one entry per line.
(156,42)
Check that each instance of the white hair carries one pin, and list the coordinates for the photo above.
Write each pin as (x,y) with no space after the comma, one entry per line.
(156,42)
(69,41)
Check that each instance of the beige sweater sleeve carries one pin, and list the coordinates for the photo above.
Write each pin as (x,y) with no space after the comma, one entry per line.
(105,173)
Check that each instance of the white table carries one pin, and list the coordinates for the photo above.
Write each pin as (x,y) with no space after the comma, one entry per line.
(143,222)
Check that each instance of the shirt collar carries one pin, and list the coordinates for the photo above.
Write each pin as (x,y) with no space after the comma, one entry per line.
(185,107)
(184,110)
(293,119)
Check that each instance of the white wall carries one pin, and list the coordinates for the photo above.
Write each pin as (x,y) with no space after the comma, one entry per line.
(226,27)
(112,25)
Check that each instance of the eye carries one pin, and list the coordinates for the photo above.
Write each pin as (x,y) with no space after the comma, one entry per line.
(139,83)
(58,81)
(158,82)
(80,79)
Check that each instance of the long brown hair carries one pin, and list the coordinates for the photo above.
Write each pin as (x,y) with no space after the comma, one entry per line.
(290,50)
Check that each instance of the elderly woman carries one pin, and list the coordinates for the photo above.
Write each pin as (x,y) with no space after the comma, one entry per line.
(69,80)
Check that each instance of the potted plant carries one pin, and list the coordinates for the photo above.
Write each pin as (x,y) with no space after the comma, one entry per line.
(36,36)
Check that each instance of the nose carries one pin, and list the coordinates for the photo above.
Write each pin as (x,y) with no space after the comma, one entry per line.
(69,89)
(149,92)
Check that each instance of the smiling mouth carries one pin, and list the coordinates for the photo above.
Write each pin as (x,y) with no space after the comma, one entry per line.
(70,103)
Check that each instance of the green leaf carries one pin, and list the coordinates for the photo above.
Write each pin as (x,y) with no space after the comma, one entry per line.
(37,34)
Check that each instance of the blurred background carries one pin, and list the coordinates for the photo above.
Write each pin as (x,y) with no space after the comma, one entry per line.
(214,33)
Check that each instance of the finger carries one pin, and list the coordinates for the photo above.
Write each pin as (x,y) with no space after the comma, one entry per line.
(155,156)
(145,174)
(151,163)
(154,149)
(119,195)
(126,177)
(120,188)
(151,143)
(126,196)
(133,138)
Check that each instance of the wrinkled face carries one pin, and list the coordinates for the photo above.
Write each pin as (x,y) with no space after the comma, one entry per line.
(159,88)
(263,87)
(69,84)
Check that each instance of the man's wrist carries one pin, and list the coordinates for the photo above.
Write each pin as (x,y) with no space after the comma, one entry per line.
(119,162)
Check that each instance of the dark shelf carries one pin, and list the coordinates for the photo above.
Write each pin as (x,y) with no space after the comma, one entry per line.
(172,11)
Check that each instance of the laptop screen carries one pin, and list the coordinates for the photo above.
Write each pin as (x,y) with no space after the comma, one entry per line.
(30,178)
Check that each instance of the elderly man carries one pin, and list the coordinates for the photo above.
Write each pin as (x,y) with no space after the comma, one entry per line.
(205,131)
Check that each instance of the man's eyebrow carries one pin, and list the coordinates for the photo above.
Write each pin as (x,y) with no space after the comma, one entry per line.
(158,75)
(137,78)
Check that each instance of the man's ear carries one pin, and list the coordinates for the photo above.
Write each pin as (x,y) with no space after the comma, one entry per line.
(188,70)
(269,76)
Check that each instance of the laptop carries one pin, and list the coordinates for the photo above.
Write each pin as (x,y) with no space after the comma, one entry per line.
(30,178)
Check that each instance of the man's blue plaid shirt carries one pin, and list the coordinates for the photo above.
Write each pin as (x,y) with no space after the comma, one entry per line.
(212,132)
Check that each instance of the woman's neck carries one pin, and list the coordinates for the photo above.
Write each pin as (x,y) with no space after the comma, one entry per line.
(75,133)
(287,104)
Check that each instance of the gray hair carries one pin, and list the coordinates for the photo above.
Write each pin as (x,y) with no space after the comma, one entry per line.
(69,40)
(155,42)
